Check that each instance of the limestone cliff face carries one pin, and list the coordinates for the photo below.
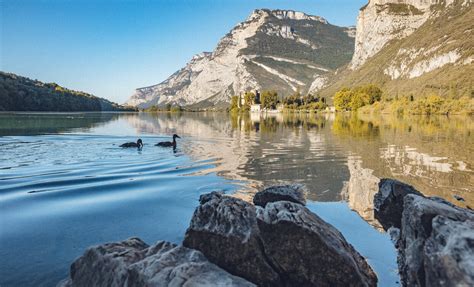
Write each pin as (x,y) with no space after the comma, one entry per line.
(412,48)
(273,49)
(383,20)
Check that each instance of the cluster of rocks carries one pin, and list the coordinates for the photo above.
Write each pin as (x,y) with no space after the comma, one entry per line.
(434,238)
(277,241)
(230,242)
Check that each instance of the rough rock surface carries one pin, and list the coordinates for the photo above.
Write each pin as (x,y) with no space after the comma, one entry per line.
(289,246)
(388,202)
(307,251)
(409,47)
(133,263)
(435,243)
(449,253)
(290,192)
(225,229)
(383,20)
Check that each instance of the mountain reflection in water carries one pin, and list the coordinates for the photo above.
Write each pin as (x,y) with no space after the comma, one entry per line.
(331,153)
(66,185)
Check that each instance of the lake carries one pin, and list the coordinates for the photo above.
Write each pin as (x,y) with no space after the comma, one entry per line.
(65,184)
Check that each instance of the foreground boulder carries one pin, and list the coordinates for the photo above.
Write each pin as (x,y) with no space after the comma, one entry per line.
(434,237)
(436,243)
(449,253)
(308,251)
(290,192)
(388,202)
(225,229)
(133,263)
(287,246)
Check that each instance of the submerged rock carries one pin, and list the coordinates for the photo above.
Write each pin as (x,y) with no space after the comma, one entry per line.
(435,242)
(290,192)
(225,230)
(307,251)
(287,246)
(133,263)
(388,202)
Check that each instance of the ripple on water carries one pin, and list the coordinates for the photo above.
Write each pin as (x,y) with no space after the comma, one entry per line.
(64,191)
(76,190)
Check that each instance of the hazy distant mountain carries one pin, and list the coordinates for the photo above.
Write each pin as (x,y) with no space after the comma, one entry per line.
(273,49)
(22,94)
(413,47)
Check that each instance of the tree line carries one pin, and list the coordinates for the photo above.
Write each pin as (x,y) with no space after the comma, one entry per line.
(269,100)
(23,94)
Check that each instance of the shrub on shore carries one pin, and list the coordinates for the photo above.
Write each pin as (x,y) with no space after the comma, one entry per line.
(356,98)
(310,102)
(429,105)
(168,108)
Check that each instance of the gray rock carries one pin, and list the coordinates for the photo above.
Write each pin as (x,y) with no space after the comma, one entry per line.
(290,192)
(289,246)
(208,196)
(133,263)
(449,253)
(307,251)
(417,230)
(394,234)
(388,202)
(106,265)
(225,230)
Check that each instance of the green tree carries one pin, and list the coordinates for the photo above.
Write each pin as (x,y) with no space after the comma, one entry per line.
(269,99)
(358,100)
(342,99)
(234,103)
(370,92)
(176,109)
(249,99)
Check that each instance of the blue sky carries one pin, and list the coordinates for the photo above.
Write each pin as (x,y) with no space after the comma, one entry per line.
(111,47)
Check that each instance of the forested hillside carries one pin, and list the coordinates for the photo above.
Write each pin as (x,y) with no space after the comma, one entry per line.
(23,94)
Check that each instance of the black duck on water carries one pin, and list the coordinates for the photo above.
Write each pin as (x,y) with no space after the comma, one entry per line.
(169,144)
(138,144)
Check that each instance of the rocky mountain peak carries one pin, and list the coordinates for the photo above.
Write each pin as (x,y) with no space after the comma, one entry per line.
(419,4)
(381,21)
(286,15)
(412,48)
(280,50)
(199,56)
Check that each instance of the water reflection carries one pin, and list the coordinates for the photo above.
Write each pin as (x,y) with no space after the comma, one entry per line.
(433,154)
(89,191)
(329,153)
(359,191)
(49,123)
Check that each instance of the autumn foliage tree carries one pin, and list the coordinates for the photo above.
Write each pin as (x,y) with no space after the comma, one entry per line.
(353,99)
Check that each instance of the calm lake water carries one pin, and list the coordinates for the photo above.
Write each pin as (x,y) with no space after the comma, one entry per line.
(65,184)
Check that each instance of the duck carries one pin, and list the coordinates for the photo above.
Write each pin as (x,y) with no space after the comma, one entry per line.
(138,144)
(169,144)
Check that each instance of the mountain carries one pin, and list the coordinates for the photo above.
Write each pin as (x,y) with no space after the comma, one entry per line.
(273,49)
(412,47)
(23,94)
